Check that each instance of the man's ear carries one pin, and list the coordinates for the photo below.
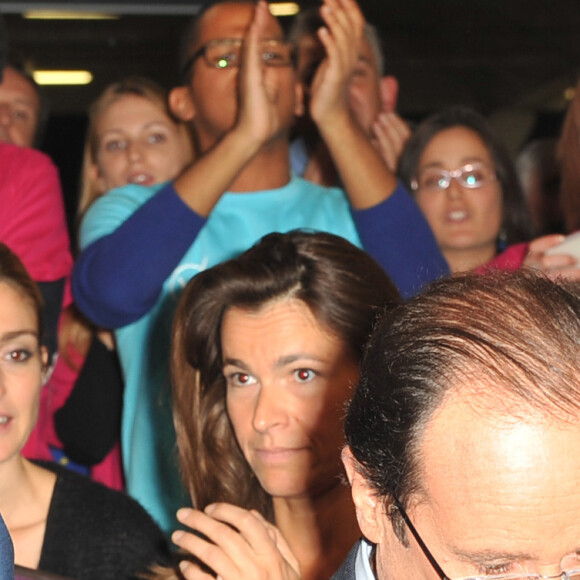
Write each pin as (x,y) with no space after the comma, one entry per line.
(299,98)
(368,505)
(389,89)
(180,103)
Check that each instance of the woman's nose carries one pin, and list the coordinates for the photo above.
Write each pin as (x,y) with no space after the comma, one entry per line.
(269,410)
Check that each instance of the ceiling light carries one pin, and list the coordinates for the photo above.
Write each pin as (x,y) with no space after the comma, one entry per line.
(284,8)
(67,15)
(62,77)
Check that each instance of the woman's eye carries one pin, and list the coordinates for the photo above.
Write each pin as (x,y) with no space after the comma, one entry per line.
(432,181)
(156,138)
(115,145)
(241,379)
(18,355)
(474,177)
(304,375)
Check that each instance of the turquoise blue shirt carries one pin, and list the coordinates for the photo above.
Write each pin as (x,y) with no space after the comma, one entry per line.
(237,222)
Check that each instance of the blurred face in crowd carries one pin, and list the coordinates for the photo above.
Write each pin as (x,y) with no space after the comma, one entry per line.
(137,142)
(211,100)
(19,109)
(288,379)
(463,219)
(21,370)
(498,496)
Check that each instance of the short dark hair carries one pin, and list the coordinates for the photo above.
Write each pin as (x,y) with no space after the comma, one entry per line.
(344,288)
(518,331)
(190,38)
(516,221)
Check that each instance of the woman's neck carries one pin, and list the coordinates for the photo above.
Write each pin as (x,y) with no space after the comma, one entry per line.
(320,530)
(25,495)
(467,259)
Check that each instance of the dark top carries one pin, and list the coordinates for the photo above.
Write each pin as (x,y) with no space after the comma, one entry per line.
(89,423)
(347,568)
(93,532)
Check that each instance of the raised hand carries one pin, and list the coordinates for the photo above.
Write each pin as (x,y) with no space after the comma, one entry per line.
(341,38)
(390,135)
(259,86)
(238,544)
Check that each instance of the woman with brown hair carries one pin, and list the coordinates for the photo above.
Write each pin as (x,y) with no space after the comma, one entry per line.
(266,350)
(60,522)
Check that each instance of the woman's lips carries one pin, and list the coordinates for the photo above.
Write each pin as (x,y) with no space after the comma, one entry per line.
(457,215)
(141,178)
(274,454)
(5,419)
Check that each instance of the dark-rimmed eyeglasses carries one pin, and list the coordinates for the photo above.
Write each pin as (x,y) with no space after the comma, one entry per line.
(471,175)
(224,53)
(567,575)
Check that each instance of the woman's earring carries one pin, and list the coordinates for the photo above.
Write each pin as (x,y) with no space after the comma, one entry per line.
(502,240)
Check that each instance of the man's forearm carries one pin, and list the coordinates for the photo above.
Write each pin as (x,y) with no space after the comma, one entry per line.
(365,176)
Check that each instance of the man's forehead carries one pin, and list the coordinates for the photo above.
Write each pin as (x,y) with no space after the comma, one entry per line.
(478,450)
(366,53)
(14,82)
(231,20)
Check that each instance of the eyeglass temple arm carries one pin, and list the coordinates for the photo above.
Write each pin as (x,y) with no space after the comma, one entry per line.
(419,540)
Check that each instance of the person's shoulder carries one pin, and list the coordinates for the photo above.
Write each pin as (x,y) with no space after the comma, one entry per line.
(85,499)
(96,532)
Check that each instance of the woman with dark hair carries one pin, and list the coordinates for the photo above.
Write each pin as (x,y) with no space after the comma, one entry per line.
(266,350)
(60,522)
(464,181)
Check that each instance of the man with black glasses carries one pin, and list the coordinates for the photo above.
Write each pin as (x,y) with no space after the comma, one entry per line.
(240,93)
(463,435)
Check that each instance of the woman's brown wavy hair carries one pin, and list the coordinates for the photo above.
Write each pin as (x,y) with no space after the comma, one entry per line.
(344,288)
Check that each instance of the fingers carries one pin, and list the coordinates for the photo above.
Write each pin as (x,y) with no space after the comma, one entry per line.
(341,37)
(258,114)
(279,542)
(222,549)
(238,544)
(554,265)
(343,32)
(543,243)
(391,134)
(251,57)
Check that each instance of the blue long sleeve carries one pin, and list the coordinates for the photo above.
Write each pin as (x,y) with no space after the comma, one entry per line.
(396,234)
(118,277)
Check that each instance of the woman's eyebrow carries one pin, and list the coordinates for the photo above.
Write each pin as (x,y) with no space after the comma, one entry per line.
(11,335)
(234,362)
(464,161)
